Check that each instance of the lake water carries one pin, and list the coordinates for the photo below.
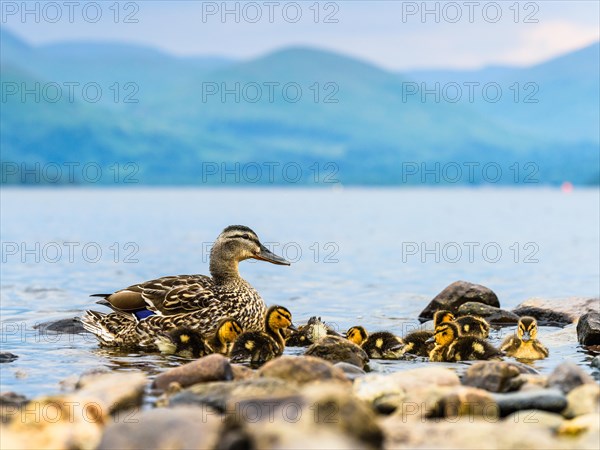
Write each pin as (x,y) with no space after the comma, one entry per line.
(361,256)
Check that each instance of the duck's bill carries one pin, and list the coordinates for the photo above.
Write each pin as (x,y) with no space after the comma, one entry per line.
(526,336)
(292,327)
(431,340)
(266,255)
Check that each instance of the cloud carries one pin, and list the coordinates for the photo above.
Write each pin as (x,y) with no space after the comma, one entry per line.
(546,40)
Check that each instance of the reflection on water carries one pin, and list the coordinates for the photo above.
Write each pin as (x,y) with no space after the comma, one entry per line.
(353,252)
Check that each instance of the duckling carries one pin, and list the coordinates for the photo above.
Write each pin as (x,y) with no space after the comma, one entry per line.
(183,341)
(224,337)
(259,347)
(473,326)
(524,344)
(379,345)
(450,346)
(418,342)
(310,333)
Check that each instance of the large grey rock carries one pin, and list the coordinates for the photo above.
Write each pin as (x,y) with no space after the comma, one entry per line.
(588,329)
(493,315)
(455,295)
(561,311)
(70,325)
(584,399)
(567,376)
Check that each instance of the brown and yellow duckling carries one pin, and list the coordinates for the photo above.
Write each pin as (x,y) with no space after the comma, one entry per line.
(473,326)
(310,333)
(222,340)
(419,342)
(524,344)
(379,345)
(258,347)
(190,343)
(184,342)
(450,346)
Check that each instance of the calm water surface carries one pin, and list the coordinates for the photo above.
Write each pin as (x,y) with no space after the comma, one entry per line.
(361,256)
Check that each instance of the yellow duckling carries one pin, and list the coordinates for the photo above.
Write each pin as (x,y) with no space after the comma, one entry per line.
(379,345)
(450,346)
(184,342)
(418,342)
(524,344)
(258,347)
(225,336)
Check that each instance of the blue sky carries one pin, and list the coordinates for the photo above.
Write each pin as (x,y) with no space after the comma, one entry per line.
(394,35)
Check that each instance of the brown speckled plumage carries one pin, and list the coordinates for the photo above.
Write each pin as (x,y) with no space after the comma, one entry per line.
(194,301)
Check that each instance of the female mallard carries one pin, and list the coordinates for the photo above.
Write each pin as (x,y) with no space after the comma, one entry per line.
(258,347)
(524,344)
(145,310)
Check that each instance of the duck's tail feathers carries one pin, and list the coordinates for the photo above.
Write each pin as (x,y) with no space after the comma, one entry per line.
(103,326)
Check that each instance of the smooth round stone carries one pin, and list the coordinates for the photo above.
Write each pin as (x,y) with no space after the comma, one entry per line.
(352,372)
(209,368)
(567,376)
(493,376)
(596,362)
(493,315)
(302,369)
(588,329)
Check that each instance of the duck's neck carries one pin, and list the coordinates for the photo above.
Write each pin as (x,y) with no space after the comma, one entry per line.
(223,267)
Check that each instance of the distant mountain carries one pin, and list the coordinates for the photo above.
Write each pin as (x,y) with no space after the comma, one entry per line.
(296,105)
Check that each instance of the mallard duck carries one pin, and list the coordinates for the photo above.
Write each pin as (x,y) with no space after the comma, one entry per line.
(310,333)
(183,341)
(258,347)
(144,310)
(419,342)
(524,344)
(378,345)
(473,326)
(450,346)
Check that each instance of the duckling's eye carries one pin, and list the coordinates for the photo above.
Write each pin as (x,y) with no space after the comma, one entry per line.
(245,236)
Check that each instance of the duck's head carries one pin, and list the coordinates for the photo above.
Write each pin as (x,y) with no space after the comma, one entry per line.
(357,334)
(527,328)
(238,242)
(228,330)
(445,333)
(442,316)
(279,318)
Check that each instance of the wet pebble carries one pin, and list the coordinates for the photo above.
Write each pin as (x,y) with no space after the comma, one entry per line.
(208,368)
(596,362)
(70,325)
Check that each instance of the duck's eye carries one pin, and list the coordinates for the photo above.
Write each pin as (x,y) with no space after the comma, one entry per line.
(245,236)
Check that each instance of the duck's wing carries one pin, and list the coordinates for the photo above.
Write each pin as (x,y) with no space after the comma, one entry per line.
(167,295)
